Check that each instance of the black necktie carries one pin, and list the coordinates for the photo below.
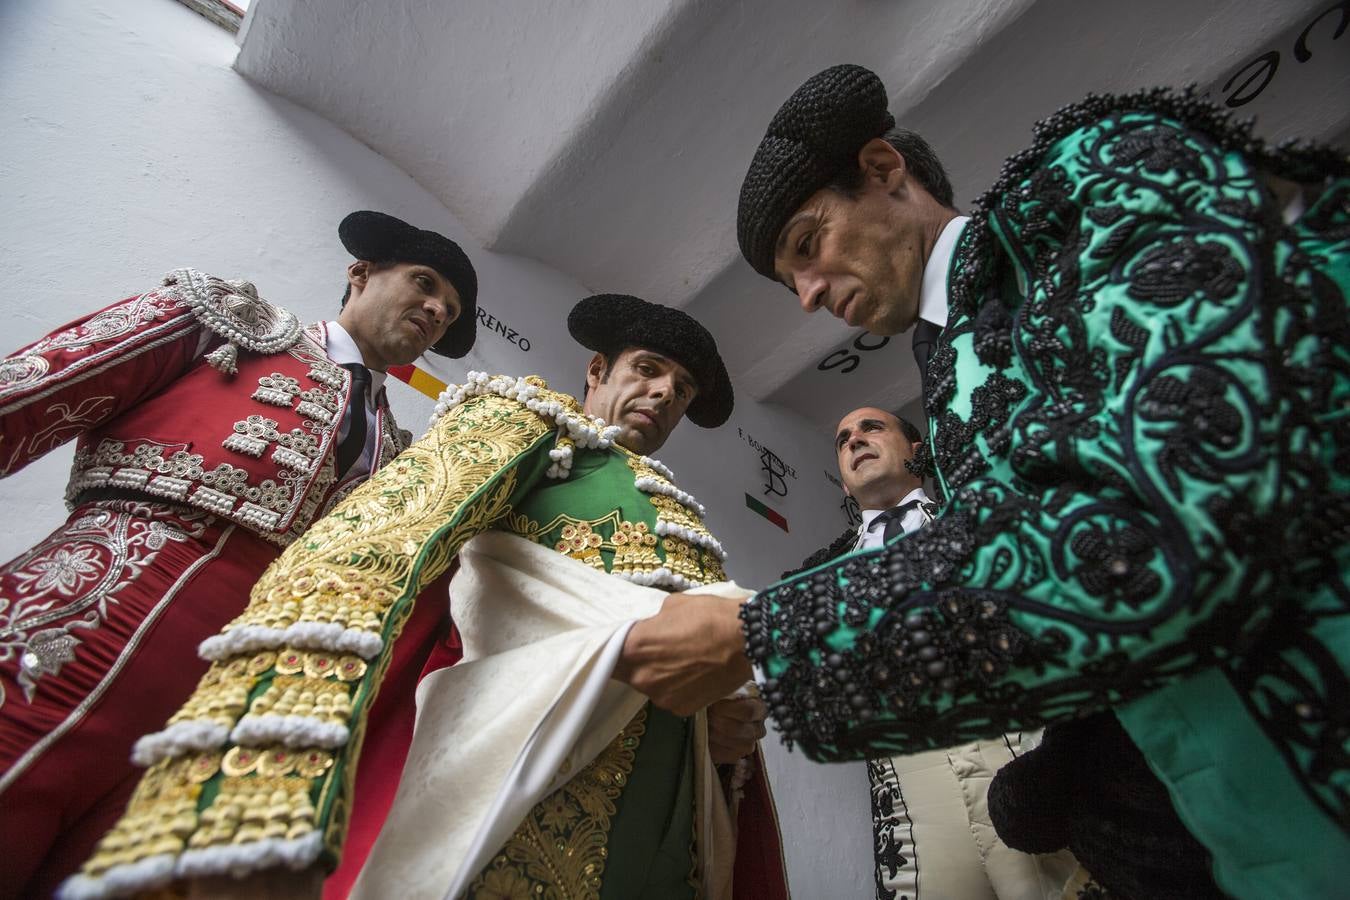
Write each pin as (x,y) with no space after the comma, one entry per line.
(925,344)
(890,520)
(354,444)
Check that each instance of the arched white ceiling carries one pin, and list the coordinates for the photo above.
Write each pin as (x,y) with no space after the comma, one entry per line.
(607,138)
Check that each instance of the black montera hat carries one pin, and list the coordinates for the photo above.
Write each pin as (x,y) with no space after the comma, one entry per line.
(610,323)
(380,238)
(814,136)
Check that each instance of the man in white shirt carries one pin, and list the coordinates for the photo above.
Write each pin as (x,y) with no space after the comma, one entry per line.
(931,831)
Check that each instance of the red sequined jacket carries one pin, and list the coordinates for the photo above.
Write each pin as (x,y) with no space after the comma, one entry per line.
(247,431)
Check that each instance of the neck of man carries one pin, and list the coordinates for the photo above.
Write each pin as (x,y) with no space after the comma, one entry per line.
(932,229)
(369,358)
(885,499)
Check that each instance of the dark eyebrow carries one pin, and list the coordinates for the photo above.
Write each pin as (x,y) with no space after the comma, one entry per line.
(787,229)
(843,433)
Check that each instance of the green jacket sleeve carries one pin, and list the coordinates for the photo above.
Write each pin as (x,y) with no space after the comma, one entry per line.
(256,770)
(1132,411)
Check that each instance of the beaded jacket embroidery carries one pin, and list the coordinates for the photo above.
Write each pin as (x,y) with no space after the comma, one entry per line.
(1137,411)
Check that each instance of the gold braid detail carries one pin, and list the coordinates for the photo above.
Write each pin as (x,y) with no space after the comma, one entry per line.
(559,851)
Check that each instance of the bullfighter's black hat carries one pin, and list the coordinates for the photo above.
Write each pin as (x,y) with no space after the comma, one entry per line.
(813,137)
(611,323)
(381,238)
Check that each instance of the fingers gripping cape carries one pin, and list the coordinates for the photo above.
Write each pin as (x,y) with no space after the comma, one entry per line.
(532,699)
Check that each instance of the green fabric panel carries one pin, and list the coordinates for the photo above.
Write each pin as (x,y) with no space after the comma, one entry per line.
(652,831)
(601,483)
(1236,794)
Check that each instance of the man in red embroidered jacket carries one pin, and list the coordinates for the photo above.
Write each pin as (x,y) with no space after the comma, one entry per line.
(212,429)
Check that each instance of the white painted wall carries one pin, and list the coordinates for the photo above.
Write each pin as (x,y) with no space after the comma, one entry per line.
(128,147)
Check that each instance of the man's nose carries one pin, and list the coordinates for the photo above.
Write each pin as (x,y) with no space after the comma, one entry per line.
(662,388)
(436,310)
(813,291)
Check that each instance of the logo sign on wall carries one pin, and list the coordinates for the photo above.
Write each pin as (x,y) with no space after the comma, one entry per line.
(847,359)
(774,473)
(1255,75)
(497,326)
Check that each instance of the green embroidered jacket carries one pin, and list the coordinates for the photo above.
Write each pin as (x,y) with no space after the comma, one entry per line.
(1140,414)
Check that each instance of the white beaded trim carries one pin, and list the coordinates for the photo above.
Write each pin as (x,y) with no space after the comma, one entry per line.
(573,428)
(699,538)
(659,578)
(302,636)
(252,856)
(293,731)
(120,881)
(649,485)
(659,467)
(178,739)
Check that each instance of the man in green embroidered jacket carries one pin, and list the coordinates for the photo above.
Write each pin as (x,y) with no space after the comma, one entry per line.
(294,678)
(1138,412)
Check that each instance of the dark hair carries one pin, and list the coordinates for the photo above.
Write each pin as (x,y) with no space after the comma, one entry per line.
(908,430)
(919,158)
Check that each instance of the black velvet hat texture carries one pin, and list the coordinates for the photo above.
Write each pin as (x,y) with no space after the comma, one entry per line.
(611,323)
(381,238)
(814,136)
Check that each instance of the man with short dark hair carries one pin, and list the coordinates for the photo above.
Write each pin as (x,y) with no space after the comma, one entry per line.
(929,812)
(874,448)
(1135,398)
(212,431)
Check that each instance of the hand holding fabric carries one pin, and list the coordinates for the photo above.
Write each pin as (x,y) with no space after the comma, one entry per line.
(688,655)
(735,725)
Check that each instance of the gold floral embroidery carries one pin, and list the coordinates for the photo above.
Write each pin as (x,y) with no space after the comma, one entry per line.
(682,558)
(634,548)
(581,543)
(317,698)
(559,851)
(160,816)
(255,808)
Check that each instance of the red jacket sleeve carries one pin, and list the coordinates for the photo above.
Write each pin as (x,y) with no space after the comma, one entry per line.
(90,370)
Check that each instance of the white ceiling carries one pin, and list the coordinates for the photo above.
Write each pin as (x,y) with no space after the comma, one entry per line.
(608,138)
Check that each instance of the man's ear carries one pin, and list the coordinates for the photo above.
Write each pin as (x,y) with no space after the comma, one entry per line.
(595,370)
(882,163)
(358,273)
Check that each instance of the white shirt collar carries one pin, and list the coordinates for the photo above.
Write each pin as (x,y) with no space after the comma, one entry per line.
(869,514)
(933,289)
(342,349)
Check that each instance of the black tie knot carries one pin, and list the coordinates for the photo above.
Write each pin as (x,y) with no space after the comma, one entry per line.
(354,444)
(891,520)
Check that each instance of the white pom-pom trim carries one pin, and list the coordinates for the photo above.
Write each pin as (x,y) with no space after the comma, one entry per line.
(699,538)
(328,636)
(292,731)
(120,881)
(649,485)
(242,859)
(192,736)
(658,578)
